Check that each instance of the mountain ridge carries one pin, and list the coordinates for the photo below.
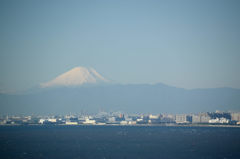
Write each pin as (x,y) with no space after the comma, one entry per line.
(85,89)
(133,98)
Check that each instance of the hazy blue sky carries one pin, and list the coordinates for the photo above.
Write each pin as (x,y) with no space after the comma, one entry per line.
(190,44)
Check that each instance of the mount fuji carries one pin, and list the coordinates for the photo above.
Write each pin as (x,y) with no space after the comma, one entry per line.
(67,93)
(76,77)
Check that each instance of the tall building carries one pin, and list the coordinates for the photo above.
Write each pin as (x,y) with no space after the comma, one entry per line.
(235,116)
(183,118)
(200,118)
(205,118)
(196,118)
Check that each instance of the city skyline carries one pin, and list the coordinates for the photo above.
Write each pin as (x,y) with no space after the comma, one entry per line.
(120,118)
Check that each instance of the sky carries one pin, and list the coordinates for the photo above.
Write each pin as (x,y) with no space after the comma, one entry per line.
(188,43)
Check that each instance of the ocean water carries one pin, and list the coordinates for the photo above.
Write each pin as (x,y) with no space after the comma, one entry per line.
(118,142)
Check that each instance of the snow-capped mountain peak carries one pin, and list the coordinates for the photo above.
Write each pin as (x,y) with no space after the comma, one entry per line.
(76,77)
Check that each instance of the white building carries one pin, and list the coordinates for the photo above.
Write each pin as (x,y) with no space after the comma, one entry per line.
(41,121)
(200,118)
(71,123)
(132,122)
(112,120)
(182,118)
(235,116)
(52,120)
(219,121)
(196,119)
(124,122)
(153,116)
(89,121)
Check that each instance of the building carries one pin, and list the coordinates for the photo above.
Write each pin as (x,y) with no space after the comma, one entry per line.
(183,118)
(132,122)
(205,118)
(41,121)
(52,120)
(71,123)
(111,120)
(196,119)
(124,122)
(235,116)
(219,121)
(200,118)
(153,116)
(89,121)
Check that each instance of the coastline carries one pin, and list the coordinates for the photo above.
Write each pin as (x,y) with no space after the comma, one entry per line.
(121,125)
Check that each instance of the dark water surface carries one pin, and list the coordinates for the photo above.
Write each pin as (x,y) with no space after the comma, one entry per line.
(118,142)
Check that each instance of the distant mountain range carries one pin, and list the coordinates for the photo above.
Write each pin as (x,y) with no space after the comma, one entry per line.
(85,90)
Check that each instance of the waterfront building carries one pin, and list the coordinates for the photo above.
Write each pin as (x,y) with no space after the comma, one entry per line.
(204,118)
(196,119)
(153,116)
(111,120)
(52,120)
(183,118)
(41,121)
(71,123)
(219,121)
(235,116)
(89,121)
(132,122)
(123,122)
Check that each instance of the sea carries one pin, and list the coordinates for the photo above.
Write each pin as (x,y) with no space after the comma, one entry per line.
(119,142)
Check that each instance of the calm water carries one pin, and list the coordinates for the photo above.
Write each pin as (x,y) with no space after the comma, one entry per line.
(103,142)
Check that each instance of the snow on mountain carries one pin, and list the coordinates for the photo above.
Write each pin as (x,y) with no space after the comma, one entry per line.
(76,77)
